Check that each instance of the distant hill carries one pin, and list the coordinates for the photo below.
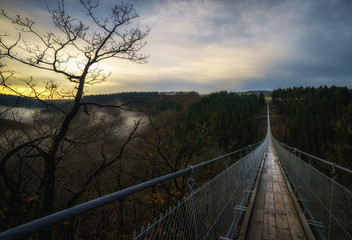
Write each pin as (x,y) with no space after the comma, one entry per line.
(16,101)
(134,98)
(257,92)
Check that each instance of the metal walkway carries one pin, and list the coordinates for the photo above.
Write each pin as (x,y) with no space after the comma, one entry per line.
(274,212)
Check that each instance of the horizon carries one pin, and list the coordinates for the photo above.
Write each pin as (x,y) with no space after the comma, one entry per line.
(254,91)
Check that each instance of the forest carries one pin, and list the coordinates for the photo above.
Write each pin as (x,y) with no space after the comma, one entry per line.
(316,120)
(109,148)
(150,134)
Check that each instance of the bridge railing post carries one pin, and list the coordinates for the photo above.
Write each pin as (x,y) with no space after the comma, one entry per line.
(190,183)
(310,162)
(293,162)
(333,176)
(232,197)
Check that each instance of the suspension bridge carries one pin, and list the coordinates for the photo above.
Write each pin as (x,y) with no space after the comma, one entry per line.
(273,192)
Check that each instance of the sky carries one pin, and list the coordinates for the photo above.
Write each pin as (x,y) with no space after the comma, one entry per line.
(215,45)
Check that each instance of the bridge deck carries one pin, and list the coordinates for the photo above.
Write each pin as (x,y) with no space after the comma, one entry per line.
(273,214)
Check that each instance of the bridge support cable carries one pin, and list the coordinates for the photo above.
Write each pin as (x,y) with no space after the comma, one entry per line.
(327,203)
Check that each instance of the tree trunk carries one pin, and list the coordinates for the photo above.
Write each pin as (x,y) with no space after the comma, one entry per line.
(49,193)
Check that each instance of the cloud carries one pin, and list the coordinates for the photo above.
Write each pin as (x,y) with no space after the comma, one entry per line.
(321,54)
(208,45)
(198,41)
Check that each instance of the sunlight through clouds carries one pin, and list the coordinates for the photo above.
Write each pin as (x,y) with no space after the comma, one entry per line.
(196,41)
(208,45)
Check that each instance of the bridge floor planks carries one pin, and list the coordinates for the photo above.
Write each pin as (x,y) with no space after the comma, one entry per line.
(274,215)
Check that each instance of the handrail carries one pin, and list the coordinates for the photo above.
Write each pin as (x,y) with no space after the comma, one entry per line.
(317,158)
(50,220)
(324,199)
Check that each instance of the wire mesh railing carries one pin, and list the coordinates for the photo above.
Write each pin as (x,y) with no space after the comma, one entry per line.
(213,210)
(227,190)
(327,203)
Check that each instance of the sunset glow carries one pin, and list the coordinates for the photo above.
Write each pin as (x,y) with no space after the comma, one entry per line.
(210,45)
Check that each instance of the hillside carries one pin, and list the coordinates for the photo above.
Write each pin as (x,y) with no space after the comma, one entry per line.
(111,146)
(315,120)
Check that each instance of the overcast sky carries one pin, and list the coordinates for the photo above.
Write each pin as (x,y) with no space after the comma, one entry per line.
(212,45)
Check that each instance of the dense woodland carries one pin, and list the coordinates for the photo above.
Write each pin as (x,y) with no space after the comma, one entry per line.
(316,120)
(148,135)
(108,149)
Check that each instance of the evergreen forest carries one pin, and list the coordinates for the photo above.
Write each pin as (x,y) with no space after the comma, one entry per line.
(315,120)
(119,140)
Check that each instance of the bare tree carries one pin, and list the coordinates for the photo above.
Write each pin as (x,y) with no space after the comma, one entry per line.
(55,51)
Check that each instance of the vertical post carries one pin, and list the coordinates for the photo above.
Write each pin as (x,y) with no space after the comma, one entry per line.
(213,207)
(310,162)
(333,176)
(229,185)
(190,183)
(251,154)
(294,167)
(291,155)
(242,166)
